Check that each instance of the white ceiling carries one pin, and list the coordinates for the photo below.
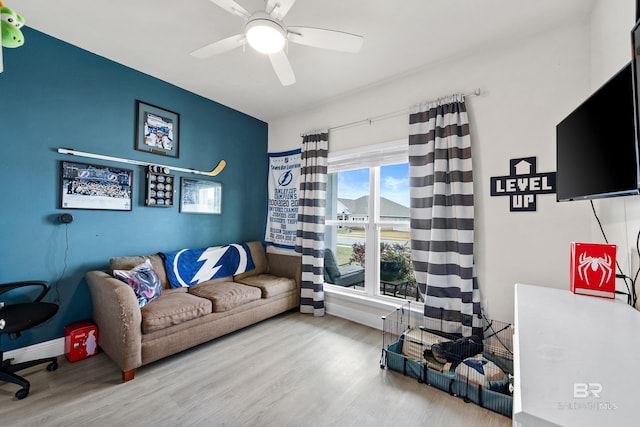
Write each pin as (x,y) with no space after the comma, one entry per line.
(400,36)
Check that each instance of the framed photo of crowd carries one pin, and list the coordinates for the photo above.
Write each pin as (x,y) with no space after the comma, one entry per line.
(90,186)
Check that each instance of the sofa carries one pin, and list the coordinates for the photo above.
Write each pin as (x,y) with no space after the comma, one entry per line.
(133,334)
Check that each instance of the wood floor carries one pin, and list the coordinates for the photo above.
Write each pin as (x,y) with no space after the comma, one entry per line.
(292,370)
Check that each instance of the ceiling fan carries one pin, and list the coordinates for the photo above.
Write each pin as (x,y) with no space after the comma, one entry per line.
(266,32)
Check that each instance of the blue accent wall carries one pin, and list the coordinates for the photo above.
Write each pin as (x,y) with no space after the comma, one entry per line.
(57,95)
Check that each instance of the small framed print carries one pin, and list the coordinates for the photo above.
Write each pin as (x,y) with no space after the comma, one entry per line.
(200,196)
(89,186)
(157,130)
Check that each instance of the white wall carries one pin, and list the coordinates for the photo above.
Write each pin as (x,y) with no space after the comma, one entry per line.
(527,86)
(611,24)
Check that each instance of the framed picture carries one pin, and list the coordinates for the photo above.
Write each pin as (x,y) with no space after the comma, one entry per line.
(200,196)
(157,130)
(89,186)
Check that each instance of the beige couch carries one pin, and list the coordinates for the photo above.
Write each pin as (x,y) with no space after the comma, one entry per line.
(184,317)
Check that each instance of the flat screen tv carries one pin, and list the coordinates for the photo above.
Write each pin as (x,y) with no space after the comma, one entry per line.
(597,150)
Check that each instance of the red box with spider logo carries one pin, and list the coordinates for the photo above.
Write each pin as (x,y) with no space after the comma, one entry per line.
(593,269)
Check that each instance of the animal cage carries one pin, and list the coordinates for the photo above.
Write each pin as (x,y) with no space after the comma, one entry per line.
(476,369)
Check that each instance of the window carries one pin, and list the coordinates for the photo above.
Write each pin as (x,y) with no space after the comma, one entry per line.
(367,219)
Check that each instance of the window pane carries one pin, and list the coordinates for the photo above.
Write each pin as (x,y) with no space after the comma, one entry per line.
(344,256)
(395,246)
(395,239)
(394,192)
(352,189)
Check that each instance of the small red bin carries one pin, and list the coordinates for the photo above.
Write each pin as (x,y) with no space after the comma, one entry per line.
(80,340)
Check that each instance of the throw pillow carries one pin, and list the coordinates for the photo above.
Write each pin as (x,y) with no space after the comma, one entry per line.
(143,280)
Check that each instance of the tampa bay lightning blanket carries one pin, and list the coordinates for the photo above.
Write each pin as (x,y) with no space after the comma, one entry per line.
(188,267)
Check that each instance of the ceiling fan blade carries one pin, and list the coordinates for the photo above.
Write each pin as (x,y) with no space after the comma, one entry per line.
(279,8)
(232,7)
(326,39)
(282,67)
(220,46)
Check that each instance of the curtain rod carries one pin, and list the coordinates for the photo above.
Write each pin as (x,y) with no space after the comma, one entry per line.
(388,115)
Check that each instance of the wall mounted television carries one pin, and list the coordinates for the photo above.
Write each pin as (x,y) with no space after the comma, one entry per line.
(596,145)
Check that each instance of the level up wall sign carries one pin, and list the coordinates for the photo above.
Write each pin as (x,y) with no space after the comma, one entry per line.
(523,184)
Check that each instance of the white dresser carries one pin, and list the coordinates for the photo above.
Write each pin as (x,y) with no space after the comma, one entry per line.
(576,360)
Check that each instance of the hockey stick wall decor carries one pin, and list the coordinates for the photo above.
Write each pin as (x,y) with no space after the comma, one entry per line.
(219,167)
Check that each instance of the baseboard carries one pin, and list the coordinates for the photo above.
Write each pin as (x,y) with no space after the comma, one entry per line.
(364,309)
(36,351)
(348,313)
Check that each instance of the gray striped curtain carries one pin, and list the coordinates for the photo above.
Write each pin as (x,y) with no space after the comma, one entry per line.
(311,214)
(441,190)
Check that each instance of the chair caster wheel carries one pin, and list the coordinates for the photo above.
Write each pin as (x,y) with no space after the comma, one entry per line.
(22,393)
(52,366)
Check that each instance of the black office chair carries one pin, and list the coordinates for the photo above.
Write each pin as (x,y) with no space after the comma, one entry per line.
(15,318)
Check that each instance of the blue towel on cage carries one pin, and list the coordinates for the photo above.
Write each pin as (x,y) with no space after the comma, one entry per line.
(188,267)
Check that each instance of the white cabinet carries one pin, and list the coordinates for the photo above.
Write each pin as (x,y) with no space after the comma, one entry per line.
(576,360)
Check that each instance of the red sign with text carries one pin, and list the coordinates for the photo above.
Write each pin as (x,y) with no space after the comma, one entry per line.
(593,269)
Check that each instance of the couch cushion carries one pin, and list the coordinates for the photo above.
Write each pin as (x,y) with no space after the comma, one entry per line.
(172,308)
(143,280)
(270,285)
(226,295)
(259,257)
(129,262)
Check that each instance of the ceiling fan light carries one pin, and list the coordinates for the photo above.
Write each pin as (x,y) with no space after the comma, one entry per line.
(265,36)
